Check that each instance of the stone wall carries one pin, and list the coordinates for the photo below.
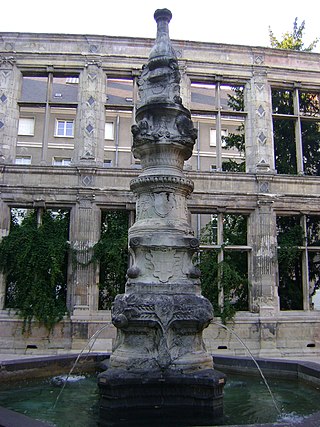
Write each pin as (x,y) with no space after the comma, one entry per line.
(86,188)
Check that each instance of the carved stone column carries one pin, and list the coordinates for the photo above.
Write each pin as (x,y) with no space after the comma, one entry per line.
(85,232)
(91,116)
(262,235)
(259,137)
(159,359)
(10,84)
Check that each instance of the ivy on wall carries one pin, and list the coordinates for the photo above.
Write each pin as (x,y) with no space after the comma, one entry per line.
(34,259)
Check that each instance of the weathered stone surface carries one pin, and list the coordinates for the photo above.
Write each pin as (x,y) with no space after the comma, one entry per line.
(159,358)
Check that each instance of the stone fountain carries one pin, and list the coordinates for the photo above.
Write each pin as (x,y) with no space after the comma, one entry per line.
(159,364)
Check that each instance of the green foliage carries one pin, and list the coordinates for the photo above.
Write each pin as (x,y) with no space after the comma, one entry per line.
(290,237)
(34,259)
(292,40)
(225,283)
(112,253)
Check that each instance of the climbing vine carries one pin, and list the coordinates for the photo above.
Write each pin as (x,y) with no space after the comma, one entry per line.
(33,258)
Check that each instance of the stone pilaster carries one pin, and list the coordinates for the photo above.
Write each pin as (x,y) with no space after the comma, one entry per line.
(263,239)
(84,233)
(259,136)
(10,84)
(4,231)
(89,132)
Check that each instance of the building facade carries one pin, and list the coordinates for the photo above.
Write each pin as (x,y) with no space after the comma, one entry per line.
(67,103)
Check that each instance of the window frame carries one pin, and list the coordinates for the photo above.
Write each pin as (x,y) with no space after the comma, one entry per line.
(32,127)
(65,128)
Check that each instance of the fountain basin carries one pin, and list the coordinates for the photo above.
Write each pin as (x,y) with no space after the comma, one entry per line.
(42,366)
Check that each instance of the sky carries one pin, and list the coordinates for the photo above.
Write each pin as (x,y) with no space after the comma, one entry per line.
(242,22)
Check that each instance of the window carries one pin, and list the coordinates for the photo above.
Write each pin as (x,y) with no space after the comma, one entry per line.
(223,260)
(26,126)
(298,260)
(296,126)
(64,128)
(23,160)
(119,92)
(61,161)
(218,113)
(213,137)
(109,130)
(107,163)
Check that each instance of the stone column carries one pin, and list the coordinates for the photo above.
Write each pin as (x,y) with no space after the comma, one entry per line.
(258,129)
(159,359)
(85,223)
(10,85)
(264,291)
(89,131)
(4,231)
(262,237)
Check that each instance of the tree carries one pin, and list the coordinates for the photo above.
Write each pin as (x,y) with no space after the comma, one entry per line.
(34,258)
(292,40)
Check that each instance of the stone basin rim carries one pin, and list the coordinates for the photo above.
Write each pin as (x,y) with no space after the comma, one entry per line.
(298,369)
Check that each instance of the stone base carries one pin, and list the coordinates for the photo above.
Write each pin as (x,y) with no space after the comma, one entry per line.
(169,398)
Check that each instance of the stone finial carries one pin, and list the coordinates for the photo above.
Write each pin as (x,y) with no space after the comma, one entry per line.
(160,78)
(162,52)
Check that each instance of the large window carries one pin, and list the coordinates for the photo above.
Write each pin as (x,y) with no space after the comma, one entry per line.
(218,112)
(299,261)
(223,260)
(296,127)
(120,105)
(48,106)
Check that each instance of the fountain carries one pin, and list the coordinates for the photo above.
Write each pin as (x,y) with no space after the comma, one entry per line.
(159,367)
(159,363)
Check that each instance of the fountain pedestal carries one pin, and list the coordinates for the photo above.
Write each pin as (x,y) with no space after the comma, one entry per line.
(159,363)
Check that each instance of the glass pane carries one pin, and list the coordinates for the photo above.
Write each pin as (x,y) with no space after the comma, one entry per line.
(310,132)
(203,97)
(34,89)
(282,101)
(119,91)
(26,126)
(309,103)
(69,128)
(285,146)
(109,130)
(65,89)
